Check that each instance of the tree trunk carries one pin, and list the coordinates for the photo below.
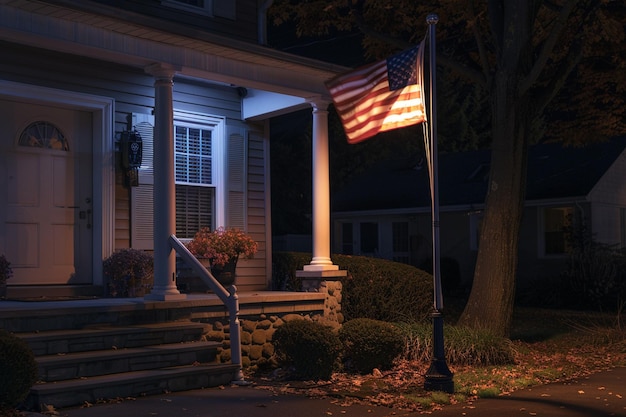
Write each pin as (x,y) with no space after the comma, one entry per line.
(490,305)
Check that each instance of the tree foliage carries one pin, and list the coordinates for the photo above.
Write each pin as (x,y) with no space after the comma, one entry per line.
(546,69)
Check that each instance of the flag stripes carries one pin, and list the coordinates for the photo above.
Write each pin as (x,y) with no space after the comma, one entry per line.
(367,106)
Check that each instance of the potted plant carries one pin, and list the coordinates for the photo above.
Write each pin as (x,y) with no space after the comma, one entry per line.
(129,272)
(5,273)
(222,248)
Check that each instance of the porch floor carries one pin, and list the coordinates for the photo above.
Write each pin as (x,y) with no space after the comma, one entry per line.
(250,303)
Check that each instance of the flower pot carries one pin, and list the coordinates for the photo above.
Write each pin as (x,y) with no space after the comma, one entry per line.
(225,274)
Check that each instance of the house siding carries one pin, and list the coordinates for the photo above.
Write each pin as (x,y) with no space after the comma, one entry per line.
(243,27)
(608,198)
(133,92)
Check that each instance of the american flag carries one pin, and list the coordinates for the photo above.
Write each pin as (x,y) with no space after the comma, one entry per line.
(382,96)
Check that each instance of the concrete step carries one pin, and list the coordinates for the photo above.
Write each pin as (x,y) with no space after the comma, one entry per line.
(103,362)
(108,337)
(131,384)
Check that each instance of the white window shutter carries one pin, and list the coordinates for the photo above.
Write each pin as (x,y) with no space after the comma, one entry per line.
(236,180)
(141,207)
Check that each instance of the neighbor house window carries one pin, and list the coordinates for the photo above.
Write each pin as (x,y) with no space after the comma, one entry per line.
(195,188)
(400,241)
(369,238)
(347,247)
(556,221)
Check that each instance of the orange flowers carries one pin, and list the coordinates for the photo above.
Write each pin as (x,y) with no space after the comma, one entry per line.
(222,245)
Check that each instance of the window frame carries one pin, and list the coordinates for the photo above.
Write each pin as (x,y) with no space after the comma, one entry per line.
(207,9)
(217,125)
(542,217)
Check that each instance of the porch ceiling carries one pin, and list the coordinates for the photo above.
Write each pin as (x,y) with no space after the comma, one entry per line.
(109,34)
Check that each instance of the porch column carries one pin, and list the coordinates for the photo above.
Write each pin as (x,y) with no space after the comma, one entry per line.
(164,204)
(321,264)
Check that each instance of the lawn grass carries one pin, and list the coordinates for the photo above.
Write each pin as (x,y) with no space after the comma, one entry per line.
(548,346)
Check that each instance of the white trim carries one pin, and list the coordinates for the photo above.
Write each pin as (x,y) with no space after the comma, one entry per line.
(103,110)
(218,158)
(207,10)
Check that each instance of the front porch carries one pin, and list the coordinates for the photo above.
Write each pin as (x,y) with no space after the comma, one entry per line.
(92,349)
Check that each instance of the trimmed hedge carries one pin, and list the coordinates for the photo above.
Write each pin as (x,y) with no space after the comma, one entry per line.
(18,369)
(374,288)
(310,349)
(370,344)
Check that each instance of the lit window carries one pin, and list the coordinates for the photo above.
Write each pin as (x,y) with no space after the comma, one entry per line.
(556,221)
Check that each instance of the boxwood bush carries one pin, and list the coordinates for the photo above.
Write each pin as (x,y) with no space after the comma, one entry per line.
(374,288)
(370,344)
(309,349)
(18,369)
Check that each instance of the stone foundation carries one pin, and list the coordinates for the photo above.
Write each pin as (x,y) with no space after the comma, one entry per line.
(257,330)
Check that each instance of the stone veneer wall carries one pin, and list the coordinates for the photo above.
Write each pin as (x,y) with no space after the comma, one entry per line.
(257,329)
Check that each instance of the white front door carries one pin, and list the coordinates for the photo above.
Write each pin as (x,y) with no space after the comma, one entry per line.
(46,221)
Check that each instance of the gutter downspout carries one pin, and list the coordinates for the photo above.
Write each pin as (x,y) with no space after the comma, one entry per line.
(264,5)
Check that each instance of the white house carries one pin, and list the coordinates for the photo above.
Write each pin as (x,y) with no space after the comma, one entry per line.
(194,79)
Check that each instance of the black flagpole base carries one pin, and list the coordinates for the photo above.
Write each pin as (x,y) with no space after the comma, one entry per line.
(438,377)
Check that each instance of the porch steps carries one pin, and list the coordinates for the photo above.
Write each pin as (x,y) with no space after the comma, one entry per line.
(84,391)
(108,361)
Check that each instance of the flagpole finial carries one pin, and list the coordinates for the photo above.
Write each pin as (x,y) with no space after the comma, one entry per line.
(432,19)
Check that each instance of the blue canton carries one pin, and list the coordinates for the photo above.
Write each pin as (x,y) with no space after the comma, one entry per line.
(402,69)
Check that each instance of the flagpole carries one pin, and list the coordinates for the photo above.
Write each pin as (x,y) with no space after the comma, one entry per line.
(438,377)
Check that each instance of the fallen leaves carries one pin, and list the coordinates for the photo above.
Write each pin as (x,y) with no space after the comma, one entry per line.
(402,387)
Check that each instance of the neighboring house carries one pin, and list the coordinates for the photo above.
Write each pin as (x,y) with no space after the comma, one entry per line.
(194,79)
(386,212)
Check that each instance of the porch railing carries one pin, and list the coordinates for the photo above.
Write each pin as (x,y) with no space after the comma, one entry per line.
(227,295)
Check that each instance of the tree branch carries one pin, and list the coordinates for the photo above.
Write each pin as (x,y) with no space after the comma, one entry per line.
(482,50)
(462,70)
(565,69)
(548,47)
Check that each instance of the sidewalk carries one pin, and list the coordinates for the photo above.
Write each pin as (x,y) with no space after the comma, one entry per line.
(601,394)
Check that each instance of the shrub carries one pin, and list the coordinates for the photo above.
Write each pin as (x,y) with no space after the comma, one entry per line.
(384,290)
(6,271)
(129,272)
(310,348)
(462,345)
(18,369)
(370,344)
(595,275)
(284,267)
(374,288)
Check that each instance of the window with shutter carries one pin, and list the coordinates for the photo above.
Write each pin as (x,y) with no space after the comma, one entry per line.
(195,187)
(198,154)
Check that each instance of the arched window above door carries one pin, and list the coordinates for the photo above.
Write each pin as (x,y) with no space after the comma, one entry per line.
(45,135)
